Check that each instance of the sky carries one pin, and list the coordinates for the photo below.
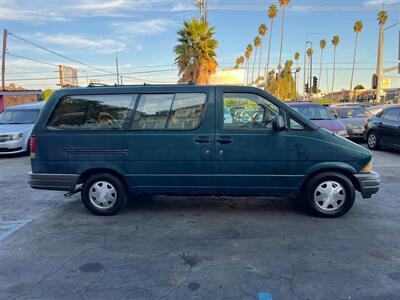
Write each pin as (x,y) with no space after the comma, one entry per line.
(144,34)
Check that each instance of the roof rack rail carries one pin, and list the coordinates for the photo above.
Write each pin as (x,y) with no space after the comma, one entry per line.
(95,84)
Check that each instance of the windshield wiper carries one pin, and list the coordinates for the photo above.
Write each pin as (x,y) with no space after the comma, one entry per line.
(319,119)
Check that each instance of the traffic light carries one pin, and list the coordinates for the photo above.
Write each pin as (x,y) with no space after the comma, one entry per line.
(315,85)
(306,88)
(374,82)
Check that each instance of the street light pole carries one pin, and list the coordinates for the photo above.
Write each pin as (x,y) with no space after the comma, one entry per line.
(3,60)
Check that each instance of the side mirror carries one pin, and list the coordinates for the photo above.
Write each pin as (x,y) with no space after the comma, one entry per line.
(336,116)
(278,124)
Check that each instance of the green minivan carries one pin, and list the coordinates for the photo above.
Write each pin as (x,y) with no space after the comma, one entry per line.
(111,143)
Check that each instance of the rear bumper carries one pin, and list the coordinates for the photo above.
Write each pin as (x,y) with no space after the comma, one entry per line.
(54,182)
(369,184)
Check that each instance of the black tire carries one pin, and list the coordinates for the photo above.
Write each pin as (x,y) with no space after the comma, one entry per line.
(311,189)
(372,136)
(110,182)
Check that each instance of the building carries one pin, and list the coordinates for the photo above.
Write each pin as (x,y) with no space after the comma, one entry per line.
(228,77)
(14,96)
(359,95)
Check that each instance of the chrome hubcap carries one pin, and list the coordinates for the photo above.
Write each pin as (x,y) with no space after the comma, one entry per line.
(372,140)
(102,194)
(329,195)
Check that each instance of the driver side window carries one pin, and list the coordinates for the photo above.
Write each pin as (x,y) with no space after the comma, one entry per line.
(248,111)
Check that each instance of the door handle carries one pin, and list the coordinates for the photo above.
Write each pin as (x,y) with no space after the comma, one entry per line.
(224,140)
(202,140)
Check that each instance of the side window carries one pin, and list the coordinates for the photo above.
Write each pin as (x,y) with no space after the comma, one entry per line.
(187,111)
(92,112)
(153,111)
(183,111)
(248,111)
(295,125)
(392,115)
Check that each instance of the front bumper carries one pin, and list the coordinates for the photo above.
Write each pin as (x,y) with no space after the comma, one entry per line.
(54,182)
(12,147)
(355,133)
(369,184)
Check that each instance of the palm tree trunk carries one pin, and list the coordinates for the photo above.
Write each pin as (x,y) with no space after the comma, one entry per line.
(247,73)
(254,65)
(320,69)
(259,65)
(352,71)
(283,27)
(334,68)
(379,71)
(269,52)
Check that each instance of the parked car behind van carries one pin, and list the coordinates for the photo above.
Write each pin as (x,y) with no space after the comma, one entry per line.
(353,117)
(383,128)
(16,125)
(111,143)
(320,115)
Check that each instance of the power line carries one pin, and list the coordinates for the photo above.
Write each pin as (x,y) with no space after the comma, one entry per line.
(32,59)
(56,53)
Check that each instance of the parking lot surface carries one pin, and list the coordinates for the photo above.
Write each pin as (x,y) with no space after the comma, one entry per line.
(196,248)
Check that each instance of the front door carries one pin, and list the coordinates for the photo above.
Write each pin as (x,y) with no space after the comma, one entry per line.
(171,148)
(389,127)
(252,158)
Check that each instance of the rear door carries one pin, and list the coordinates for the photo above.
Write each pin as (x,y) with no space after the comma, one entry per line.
(389,126)
(251,158)
(170,142)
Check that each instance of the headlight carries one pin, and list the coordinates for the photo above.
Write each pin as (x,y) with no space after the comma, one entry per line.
(16,136)
(367,168)
(342,133)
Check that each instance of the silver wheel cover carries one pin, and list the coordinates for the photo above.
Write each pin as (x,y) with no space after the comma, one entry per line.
(103,195)
(372,140)
(329,196)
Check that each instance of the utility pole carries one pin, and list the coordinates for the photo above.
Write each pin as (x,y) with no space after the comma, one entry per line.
(379,71)
(311,77)
(116,61)
(3,60)
(203,6)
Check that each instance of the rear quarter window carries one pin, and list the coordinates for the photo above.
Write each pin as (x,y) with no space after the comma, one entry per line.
(92,112)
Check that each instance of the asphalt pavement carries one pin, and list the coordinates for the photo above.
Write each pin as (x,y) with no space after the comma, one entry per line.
(198,247)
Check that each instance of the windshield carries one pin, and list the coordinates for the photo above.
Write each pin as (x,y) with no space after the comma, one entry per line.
(352,112)
(315,112)
(22,116)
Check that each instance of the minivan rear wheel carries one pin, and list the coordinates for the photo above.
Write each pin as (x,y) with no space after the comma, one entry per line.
(104,194)
(328,195)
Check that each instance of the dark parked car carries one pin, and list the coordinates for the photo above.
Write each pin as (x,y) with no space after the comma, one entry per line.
(383,129)
(353,117)
(321,116)
(112,142)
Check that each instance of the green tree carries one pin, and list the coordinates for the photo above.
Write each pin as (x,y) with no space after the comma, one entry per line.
(262,31)
(322,45)
(283,4)
(45,95)
(196,52)
(335,43)
(272,13)
(257,44)
(296,58)
(283,87)
(359,87)
(358,26)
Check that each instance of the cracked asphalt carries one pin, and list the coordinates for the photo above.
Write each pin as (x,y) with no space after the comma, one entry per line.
(197,248)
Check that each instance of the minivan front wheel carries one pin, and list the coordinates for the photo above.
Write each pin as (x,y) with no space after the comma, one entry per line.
(104,194)
(329,195)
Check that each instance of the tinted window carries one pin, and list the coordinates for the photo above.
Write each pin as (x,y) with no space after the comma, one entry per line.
(169,111)
(392,114)
(254,112)
(22,116)
(187,111)
(92,112)
(314,112)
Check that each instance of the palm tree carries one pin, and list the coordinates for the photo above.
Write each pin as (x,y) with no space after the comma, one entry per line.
(247,56)
(296,57)
(310,53)
(382,19)
(283,3)
(358,26)
(262,31)
(322,45)
(335,43)
(272,13)
(257,44)
(196,52)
